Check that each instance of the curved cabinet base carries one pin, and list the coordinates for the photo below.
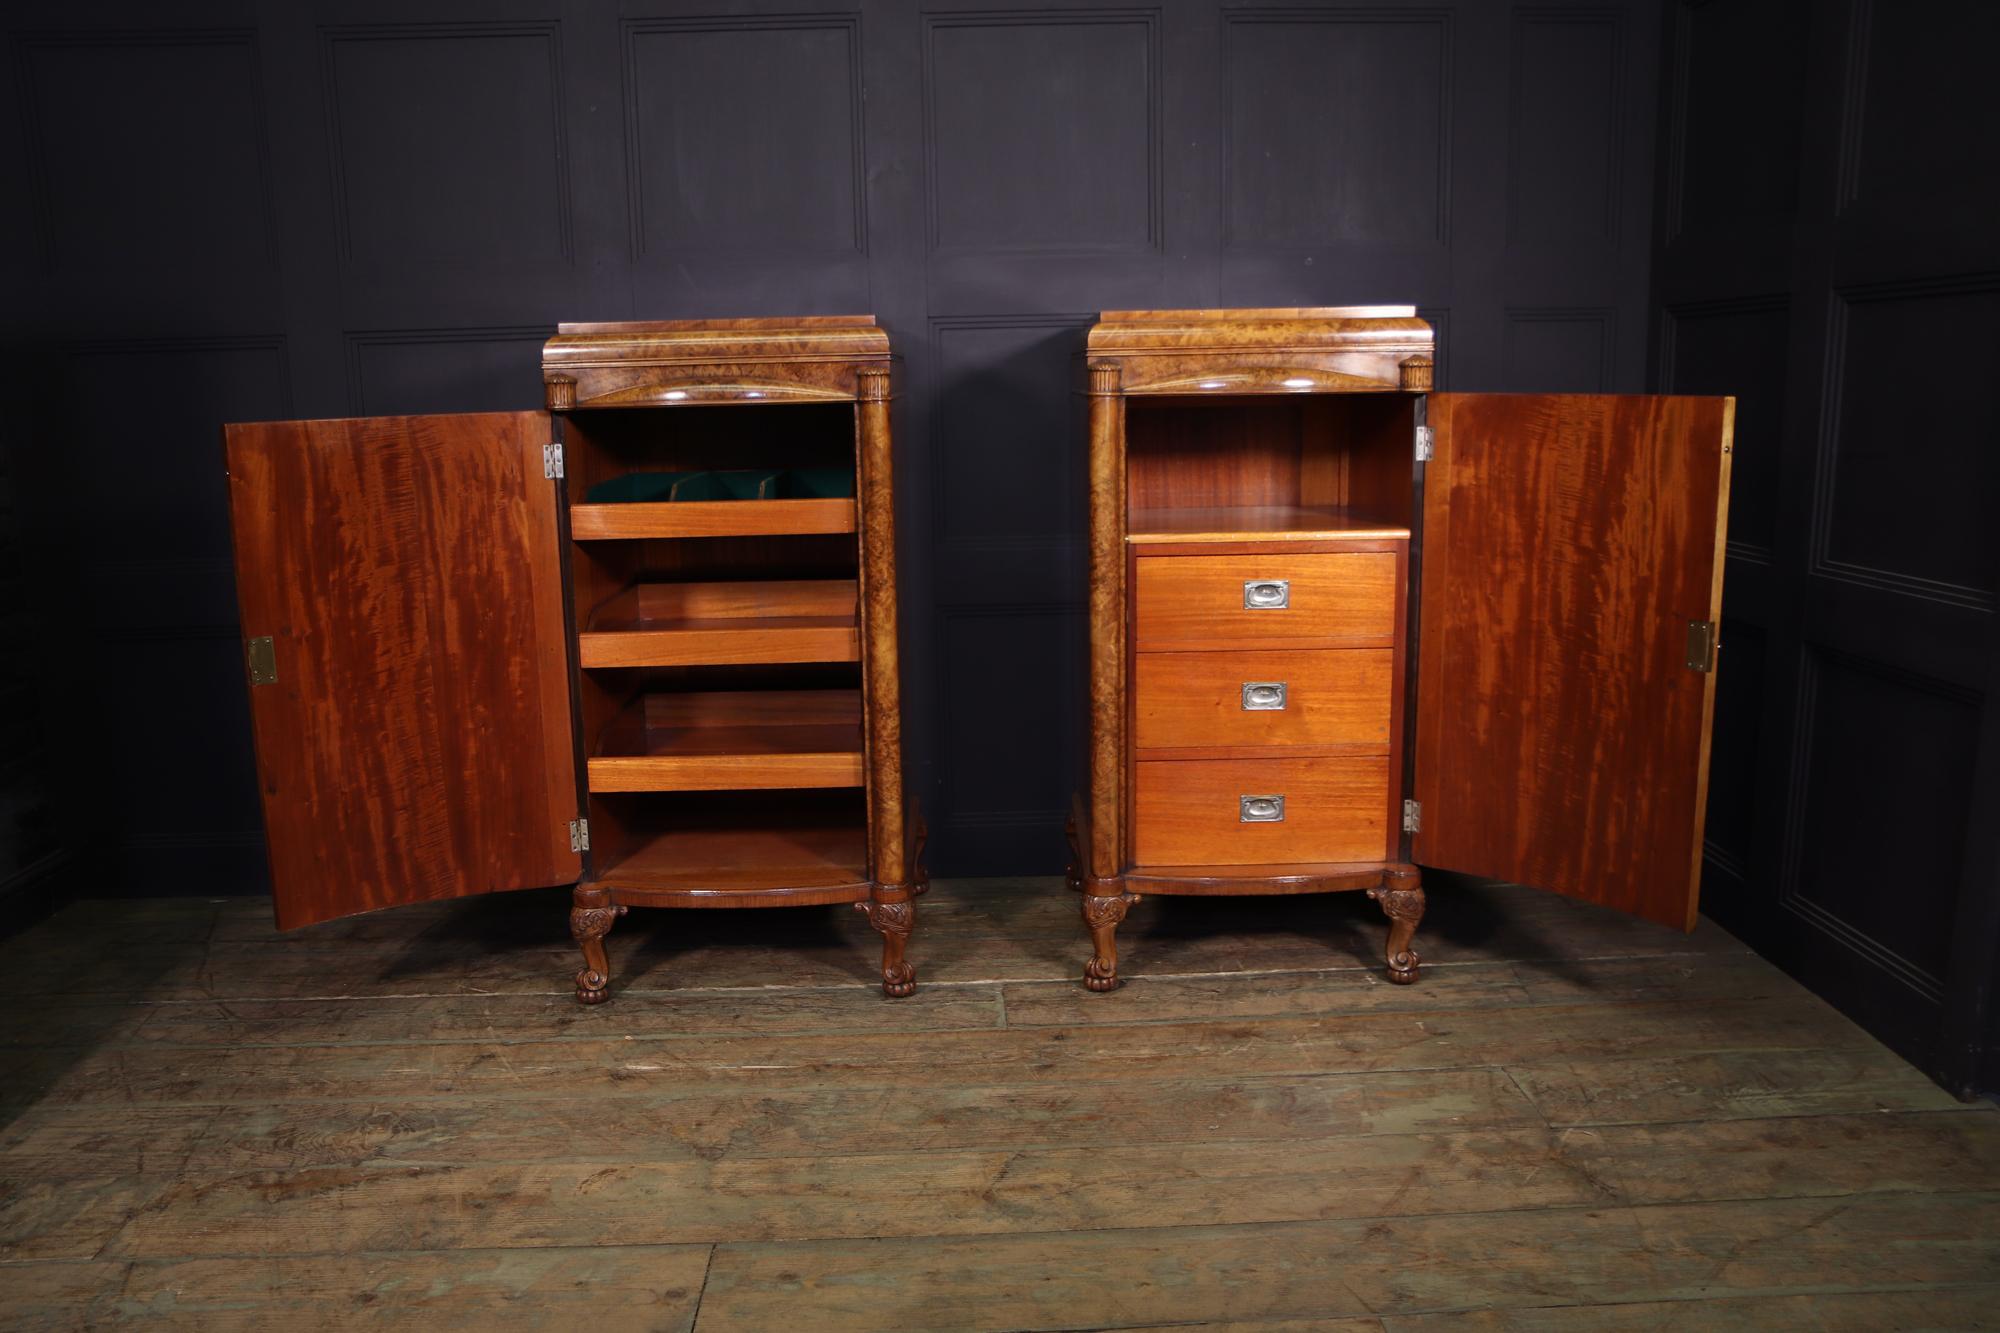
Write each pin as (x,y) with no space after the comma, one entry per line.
(1397,886)
(890,908)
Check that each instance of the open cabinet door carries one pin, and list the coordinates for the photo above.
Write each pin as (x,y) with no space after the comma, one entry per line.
(1562,734)
(411,707)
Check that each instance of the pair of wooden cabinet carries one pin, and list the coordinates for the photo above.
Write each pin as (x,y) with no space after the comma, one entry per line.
(644,642)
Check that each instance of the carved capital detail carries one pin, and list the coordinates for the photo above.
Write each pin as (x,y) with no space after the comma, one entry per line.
(1104,377)
(1107,911)
(1101,913)
(1415,374)
(871,384)
(559,392)
(896,918)
(592,923)
(1400,904)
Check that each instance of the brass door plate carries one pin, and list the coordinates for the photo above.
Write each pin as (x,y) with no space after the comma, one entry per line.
(263,657)
(1701,645)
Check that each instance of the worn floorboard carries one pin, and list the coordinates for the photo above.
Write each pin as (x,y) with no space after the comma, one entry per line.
(1574,1121)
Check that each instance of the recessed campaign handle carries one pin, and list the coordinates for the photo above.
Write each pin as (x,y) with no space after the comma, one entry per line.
(1267,594)
(1260,809)
(1263,696)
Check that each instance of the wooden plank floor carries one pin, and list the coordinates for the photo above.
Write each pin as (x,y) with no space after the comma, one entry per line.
(1575,1121)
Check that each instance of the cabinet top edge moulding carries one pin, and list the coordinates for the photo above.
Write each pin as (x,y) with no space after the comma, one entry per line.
(665,363)
(1326,349)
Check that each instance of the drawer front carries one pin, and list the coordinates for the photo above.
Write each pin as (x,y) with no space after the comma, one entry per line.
(1341,599)
(1224,812)
(1327,697)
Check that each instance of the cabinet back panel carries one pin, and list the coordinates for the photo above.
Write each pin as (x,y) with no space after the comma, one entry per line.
(751,598)
(613,441)
(1201,452)
(1346,450)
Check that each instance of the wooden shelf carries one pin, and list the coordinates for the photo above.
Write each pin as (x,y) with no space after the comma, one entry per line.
(702,624)
(710,518)
(1257,523)
(790,859)
(731,741)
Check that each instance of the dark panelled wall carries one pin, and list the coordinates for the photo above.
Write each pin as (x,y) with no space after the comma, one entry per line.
(232,211)
(229,211)
(1830,252)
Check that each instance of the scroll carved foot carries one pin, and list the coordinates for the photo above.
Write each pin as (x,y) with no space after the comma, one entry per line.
(590,920)
(1402,899)
(895,920)
(1101,914)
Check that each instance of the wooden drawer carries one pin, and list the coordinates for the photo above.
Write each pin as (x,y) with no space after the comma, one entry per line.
(1190,812)
(1343,599)
(1327,698)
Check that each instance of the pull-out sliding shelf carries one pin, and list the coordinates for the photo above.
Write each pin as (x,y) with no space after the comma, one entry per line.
(710,518)
(704,624)
(732,741)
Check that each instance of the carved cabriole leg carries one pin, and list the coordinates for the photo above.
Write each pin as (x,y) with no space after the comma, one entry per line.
(590,916)
(1402,899)
(895,918)
(1101,914)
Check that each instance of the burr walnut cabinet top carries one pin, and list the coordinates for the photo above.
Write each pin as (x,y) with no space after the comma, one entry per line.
(1323,349)
(662,363)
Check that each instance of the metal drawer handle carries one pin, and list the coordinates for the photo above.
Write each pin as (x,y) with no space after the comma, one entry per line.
(1263,696)
(1267,594)
(1260,809)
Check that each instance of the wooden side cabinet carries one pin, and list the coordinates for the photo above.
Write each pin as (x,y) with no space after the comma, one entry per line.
(643,642)
(1342,627)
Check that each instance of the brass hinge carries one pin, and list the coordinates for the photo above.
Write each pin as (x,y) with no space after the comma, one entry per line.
(579,835)
(552,461)
(1701,645)
(1413,816)
(263,658)
(1424,441)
